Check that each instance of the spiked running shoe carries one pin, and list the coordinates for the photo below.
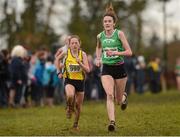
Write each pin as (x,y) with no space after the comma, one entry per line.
(75,126)
(125,102)
(111,126)
(69,111)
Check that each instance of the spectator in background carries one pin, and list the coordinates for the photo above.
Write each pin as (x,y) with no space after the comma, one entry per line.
(93,85)
(89,81)
(154,73)
(39,78)
(177,72)
(32,79)
(140,74)
(50,80)
(59,96)
(130,64)
(4,77)
(25,89)
(17,74)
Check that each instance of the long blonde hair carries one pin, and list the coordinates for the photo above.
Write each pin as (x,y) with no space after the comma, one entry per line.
(19,51)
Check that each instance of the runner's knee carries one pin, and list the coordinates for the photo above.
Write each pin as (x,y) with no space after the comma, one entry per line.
(110,96)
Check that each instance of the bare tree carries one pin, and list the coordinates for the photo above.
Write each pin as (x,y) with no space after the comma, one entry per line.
(164,28)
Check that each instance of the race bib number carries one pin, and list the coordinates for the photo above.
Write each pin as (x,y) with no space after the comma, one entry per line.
(109,49)
(74,68)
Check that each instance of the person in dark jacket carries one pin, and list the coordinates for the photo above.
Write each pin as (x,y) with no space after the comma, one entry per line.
(17,73)
(154,71)
(4,75)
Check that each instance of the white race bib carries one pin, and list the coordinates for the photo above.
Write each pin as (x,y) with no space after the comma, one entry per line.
(74,68)
(110,49)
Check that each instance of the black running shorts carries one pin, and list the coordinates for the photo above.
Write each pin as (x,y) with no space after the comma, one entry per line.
(78,84)
(116,71)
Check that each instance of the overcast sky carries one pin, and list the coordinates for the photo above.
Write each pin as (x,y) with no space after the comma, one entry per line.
(152,16)
(155,16)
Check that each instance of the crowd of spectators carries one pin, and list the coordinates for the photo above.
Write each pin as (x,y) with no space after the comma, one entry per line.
(29,79)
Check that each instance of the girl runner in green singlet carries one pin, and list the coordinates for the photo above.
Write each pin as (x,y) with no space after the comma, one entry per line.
(111,48)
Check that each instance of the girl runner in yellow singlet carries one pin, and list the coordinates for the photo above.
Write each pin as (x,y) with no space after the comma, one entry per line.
(74,68)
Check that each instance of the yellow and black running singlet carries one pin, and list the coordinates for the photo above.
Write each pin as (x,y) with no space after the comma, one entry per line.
(72,69)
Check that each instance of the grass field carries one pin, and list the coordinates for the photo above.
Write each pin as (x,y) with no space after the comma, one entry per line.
(147,114)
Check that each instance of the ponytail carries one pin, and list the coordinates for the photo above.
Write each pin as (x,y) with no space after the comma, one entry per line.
(110,12)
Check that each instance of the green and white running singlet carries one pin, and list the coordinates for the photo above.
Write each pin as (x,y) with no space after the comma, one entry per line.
(112,43)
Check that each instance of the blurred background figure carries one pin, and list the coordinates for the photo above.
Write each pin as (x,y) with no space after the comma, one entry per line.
(18,75)
(154,73)
(140,74)
(93,85)
(177,72)
(38,85)
(4,78)
(50,81)
(130,65)
(89,82)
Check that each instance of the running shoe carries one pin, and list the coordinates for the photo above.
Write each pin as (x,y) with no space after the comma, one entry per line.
(68,112)
(125,102)
(75,126)
(111,126)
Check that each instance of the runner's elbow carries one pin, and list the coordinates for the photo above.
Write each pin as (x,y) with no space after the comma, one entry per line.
(87,70)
